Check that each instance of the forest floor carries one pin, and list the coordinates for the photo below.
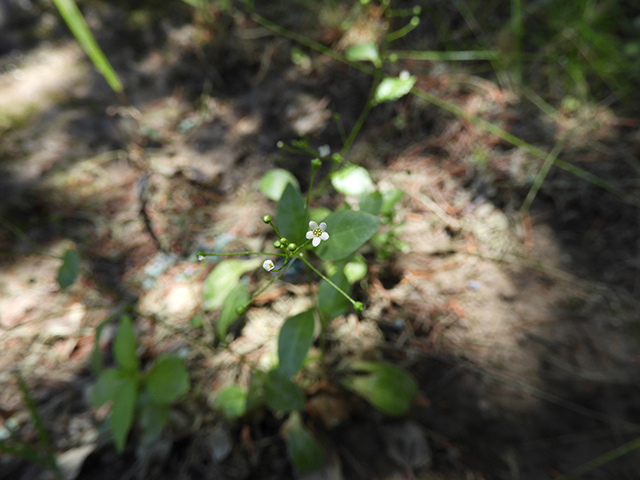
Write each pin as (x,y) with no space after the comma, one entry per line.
(522,330)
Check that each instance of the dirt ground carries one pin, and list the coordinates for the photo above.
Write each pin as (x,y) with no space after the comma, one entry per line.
(522,331)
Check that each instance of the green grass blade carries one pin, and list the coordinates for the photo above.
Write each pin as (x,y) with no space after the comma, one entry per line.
(431,56)
(76,23)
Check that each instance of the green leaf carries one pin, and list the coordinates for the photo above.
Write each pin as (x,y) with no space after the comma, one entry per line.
(153,418)
(232,401)
(122,411)
(275,181)
(330,301)
(124,345)
(167,380)
(389,199)
(69,269)
(388,388)
(294,341)
(372,203)
(364,52)
(352,180)
(291,217)
(393,88)
(223,279)
(281,394)
(356,269)
(76,23)
(304,450)
(348,231)
(238,297)
(107,385)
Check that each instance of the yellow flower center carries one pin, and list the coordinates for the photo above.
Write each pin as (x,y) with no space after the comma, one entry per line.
(317,232)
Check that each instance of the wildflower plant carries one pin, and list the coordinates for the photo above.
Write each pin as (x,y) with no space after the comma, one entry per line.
(327,244)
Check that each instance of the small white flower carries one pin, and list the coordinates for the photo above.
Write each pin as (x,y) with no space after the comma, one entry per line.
(317,233)
(324,150)
(268,265)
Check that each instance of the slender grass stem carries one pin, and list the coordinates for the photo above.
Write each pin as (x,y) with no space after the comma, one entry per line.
(542,174)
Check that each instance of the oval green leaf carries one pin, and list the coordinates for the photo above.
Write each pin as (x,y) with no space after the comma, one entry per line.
(294,341)
(167,380)
(223,279)
(107,385)
(124,345)
(281,394)
(275,181)
(124,403)
(232,401)
(238,297)
(352,180)
(291,217)
(348,231)
(304,450)
(393,88)
(390,389)
(69,269)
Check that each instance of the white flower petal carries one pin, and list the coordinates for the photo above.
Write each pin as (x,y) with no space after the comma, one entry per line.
(309,234)
(313,225)
(323,226)
(324,236)
(316,241)
(268,265)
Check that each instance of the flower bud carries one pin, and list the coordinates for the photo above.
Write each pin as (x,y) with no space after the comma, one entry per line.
(358,306)
(266,219)
(316,163)
(292,247)
(277,244)
(284,242)
(268,265)
(240,310)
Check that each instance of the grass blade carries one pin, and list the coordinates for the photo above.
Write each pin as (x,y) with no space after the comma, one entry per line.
(76,23)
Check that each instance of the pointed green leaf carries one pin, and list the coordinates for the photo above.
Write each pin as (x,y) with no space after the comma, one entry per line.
(330,301)
(348,231)
(388,388)
(124,345)
(232,401)
(291,218)
(223,279)
(238,297)
(167,380)
(304,450)
(372,203)
(352,180)
(124,404)
(275,181)
(393,88)
(69,269)
(364,52)
(107,385)
(294,341)
(281,394)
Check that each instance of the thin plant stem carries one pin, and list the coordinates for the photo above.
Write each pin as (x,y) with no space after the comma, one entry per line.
(602,459)
(269,283)
(203,254)
(324,277)
(542,174)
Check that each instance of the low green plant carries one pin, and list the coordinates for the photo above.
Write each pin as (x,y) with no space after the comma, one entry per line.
(133,393)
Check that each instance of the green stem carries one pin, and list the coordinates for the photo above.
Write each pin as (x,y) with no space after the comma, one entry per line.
(269,283)
(324,277)
(537,183)
(306,202)
(202,254)
(415,21)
